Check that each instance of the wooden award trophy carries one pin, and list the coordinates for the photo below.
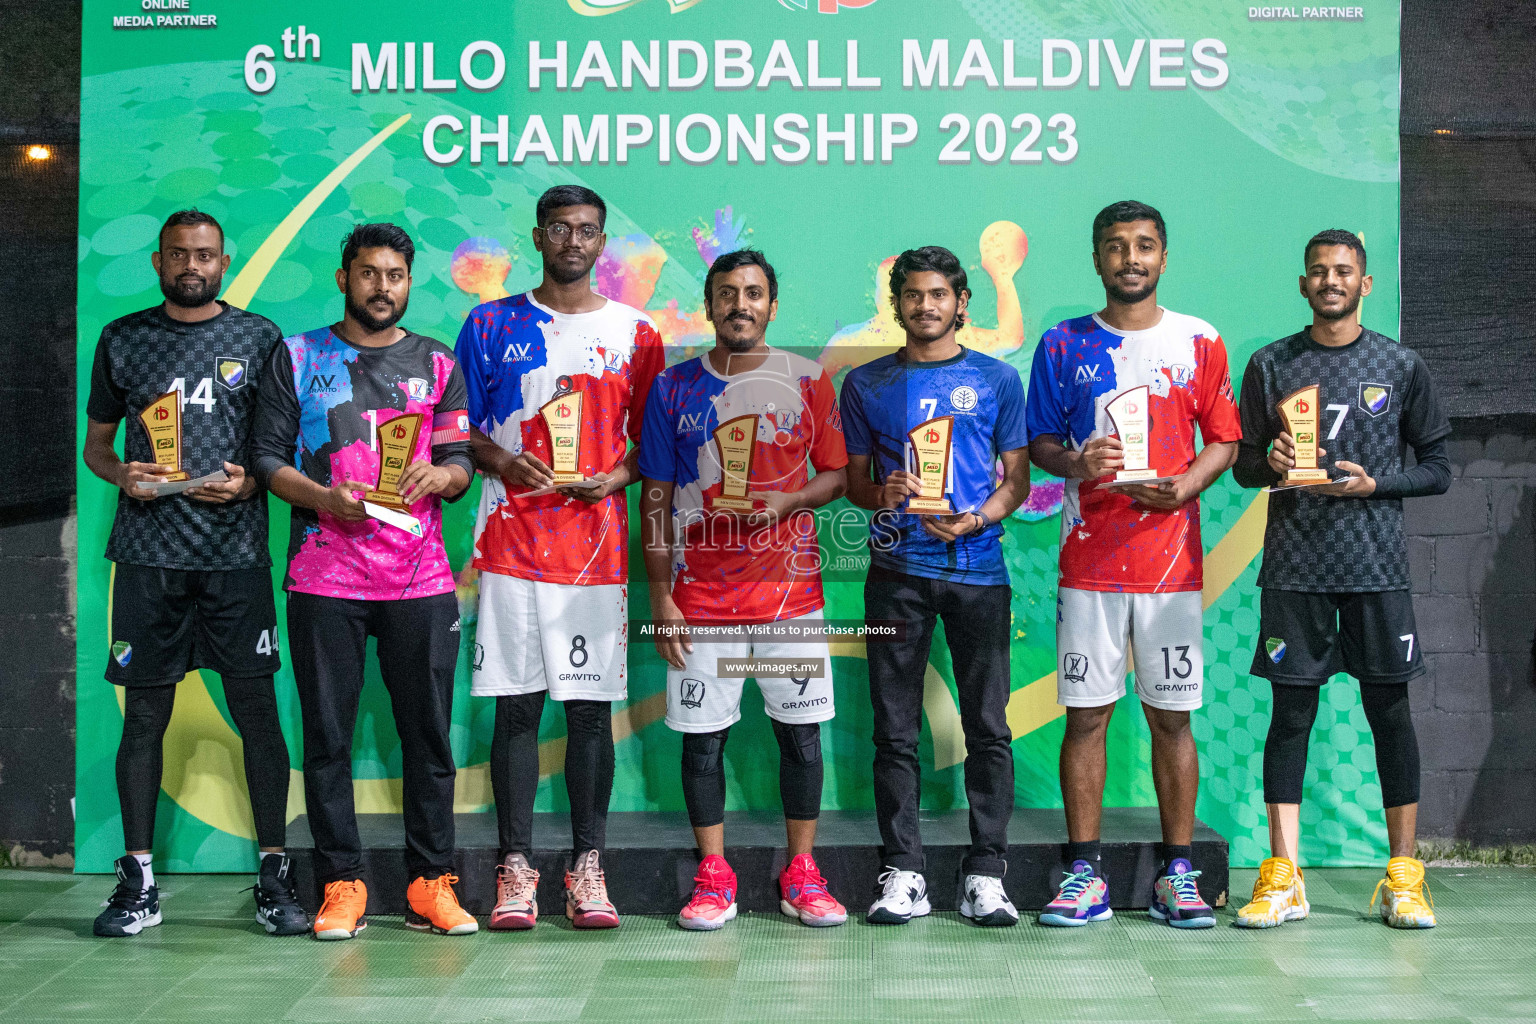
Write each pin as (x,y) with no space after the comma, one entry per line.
(562,415)
(162,422)
(397,444)
(930,443)
(736,442)
(1129,412)
(1299,413)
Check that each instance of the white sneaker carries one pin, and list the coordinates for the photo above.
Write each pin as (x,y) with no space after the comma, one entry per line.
(983,900)
(903,896)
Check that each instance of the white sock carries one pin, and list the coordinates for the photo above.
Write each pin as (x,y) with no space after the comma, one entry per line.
(145,860)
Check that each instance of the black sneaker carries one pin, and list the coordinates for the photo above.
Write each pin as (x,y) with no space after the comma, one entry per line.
(132,907)
(277,907)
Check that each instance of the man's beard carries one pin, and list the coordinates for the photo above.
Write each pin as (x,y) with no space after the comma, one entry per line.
(739,343)
(193,293)
(1127,296)
(565,274)
(374,324)
(1344,311)
(922,329)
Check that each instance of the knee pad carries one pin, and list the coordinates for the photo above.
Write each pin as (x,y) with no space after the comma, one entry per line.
(588,716)
(519,713)
(798,744)
(704,752)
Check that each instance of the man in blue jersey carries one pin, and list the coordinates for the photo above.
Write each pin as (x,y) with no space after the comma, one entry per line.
(926,567)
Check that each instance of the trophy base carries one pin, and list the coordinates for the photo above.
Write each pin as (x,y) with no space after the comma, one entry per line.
(1305,476)
(1137,476)
(562,479)
(930,507)
(388,499)
(176,476)
(734,504)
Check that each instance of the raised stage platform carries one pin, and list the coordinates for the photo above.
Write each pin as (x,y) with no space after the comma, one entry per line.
(651,860)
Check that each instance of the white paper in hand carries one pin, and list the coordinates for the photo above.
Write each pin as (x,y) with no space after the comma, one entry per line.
(400,520)
(162,489)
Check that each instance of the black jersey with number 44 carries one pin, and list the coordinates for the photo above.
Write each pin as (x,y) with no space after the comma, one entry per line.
(1377,400)
(215,364)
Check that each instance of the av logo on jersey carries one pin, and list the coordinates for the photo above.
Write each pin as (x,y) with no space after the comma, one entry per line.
(963,398)
(691,693)
(1375,399)
(1088,374)
(690,422)
(518,352)
(230,372)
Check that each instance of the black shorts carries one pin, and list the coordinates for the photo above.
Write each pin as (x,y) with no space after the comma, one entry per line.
(1306,638)
(167,622)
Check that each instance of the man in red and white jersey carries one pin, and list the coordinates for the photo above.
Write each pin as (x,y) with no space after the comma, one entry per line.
(553,558)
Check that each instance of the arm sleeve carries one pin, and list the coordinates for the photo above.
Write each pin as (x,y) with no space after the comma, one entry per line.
(1425,428)
(468,353)
(275,434)
(450,435)
(1219,421)
(657,459)
(1045,413)
(1252,468)
(829,451)
(650,360)
(1012,429)
(107,403)
(856,436)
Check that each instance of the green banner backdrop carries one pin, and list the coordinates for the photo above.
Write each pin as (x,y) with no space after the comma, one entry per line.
(830,133)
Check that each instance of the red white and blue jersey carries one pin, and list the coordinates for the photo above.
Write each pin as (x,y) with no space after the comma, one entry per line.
(516,355)
(725,571)
(1108,541)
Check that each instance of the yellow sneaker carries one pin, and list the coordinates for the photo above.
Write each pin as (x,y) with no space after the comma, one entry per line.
(435,908)
(1407,903)
(1279,895)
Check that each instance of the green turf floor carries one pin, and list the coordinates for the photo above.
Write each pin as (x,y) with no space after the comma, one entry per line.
(210,962)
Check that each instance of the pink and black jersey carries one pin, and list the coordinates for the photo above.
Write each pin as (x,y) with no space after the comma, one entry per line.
(726,571)
(518,355)
(1108,541)
(321,409)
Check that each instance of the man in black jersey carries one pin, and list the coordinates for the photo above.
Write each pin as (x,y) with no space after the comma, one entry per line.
(191,584)
(1335,573)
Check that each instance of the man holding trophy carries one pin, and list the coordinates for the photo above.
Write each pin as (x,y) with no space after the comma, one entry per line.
(557,382)
(1335,574)
(729,524)
(191,583)
(927,427)
(361,427)
(1114,401)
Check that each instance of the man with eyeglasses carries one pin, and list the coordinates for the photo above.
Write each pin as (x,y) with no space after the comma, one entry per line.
(553,560)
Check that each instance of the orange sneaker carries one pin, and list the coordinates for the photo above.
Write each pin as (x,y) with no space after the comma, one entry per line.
(434,907)
(341,912)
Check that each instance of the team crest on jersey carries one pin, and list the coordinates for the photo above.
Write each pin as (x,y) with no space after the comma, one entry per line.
(477,659)
(1181,376)
(418,390)
(963,398)
(122,652)
(613,358)
(1276,649)
(1375,399)
(1075,667)
(691,693)
(230,372)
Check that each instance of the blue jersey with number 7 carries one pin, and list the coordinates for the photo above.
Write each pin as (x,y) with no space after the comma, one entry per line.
(887,398)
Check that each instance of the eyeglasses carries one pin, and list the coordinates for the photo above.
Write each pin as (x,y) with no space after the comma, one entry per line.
(560,232)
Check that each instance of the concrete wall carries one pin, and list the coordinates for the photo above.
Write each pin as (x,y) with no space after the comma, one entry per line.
(1474,579)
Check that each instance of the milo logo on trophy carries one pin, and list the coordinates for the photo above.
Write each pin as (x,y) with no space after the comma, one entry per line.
(161,419)
(397,444)
(736,442)
(930,443)
(1299,413)
(562,415)
(1130,413)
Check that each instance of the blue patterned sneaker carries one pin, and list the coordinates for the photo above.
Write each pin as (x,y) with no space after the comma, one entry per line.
(1176,899)
(1083,898)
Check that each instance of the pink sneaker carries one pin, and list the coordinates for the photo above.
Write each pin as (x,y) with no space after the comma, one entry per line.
(714,897)
(517,895)
(586,895)
(804,895)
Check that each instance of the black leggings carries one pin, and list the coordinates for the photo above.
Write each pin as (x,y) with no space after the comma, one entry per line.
(800,773)
(515,769)
(1397,747)
(140,757)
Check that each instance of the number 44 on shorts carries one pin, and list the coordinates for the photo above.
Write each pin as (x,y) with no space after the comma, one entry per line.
(266,643)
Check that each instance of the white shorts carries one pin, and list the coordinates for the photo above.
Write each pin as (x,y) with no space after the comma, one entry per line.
(1096,629)
(567,639)
(700,700)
